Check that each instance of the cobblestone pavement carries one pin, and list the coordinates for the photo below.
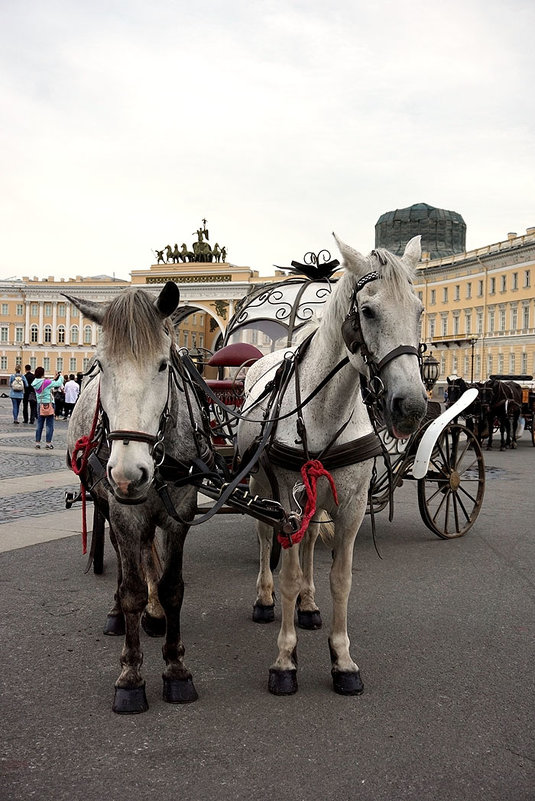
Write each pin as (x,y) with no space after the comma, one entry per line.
(20,459)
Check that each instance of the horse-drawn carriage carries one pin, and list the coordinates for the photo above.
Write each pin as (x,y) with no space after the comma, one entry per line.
(295,448)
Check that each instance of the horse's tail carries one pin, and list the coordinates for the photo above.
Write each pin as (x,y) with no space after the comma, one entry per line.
(326,528)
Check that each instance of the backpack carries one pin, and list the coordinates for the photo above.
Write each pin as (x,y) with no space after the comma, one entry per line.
(17,385)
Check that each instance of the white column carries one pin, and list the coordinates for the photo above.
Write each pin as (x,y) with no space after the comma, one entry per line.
(27,322)
(54,322)
(40,337)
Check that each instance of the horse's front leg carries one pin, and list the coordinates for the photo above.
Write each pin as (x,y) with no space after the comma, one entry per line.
(153,618)
(283,673)
(308,614)
(178,687)
(130,695)
(345,672)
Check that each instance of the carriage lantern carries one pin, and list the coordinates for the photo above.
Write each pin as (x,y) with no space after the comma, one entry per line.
(430,371)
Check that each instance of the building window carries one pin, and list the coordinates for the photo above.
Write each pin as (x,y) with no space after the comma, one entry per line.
(469,290)
(61,334)
(502,319)
(46,364)
(4,333)
(456,325)
(19,309)
(489,364)
(492,289)
(74,311)
(61,310)
(527,279)
(34,333)
(445,328)
(34,309)
(3,362)
(480,322)
(74,334)
(5,309)
(524,368)
(525,317)
(491,320)
(457,292)
(500,363)
(87,334)
(201,340)
(466,367)
(431,330)
(477,370)
(33,362)
(19,334)
(480,289)
(514,318)
(48,333)
(48,309)
(59,364)
(504,283)
(512,363)
(433,297)
(186,339)
(86,361)
(515,281)
(445,295)
(72,364)
(468,322)
(454,363)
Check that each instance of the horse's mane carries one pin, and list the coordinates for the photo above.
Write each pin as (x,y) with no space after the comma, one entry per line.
(132,328)
(398,272)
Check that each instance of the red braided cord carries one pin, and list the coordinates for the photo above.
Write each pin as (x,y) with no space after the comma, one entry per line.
(310,472)
(86,444)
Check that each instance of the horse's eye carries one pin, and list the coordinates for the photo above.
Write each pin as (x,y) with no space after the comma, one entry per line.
(368,312)
(162,367)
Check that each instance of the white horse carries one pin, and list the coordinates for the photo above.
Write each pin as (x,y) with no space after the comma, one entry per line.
(139,404)
(370,328)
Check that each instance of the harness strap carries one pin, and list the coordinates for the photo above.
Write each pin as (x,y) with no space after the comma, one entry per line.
(310,472)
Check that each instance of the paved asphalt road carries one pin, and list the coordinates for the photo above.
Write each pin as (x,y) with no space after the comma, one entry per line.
(443,632)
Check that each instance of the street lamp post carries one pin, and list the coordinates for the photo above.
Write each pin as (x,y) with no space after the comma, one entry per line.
(430,371)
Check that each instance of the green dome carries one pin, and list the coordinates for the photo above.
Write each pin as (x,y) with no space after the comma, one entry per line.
(443,232)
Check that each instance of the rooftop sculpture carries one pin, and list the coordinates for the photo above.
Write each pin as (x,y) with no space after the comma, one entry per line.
(200,251)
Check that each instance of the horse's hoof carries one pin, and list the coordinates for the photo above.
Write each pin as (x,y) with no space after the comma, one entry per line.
(115,625)
(130,701)
(347,682)
(282,682)
(263,614)
(179,691)
(309,619)
(153,626)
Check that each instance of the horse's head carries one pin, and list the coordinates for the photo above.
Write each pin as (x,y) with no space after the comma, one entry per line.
(456,387)
(383,331)
(134,358)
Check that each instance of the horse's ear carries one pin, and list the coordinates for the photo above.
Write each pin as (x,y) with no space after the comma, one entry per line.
(90,308)
(353,260)
(168,299)
(413,250)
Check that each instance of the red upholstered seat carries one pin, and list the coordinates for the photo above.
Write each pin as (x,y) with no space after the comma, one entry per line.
(235,355)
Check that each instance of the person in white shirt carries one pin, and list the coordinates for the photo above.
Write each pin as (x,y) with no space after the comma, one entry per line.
(72,390)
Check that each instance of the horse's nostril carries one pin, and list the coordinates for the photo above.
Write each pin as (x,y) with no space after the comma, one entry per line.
(143,475)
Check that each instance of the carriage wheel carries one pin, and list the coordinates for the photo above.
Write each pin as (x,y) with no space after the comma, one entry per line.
(451,494)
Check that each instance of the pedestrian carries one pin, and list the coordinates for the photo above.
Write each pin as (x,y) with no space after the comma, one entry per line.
(72,390)
(29,400)
(17,385)
(43,389)
(59,401)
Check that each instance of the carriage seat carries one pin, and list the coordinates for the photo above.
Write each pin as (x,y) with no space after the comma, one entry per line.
(236,355)
(239,354)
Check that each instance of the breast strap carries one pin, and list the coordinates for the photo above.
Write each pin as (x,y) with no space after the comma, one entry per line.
(358,450)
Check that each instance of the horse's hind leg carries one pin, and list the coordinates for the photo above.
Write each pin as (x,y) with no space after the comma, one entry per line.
(178,687)
(264,606)
(153,618)
(308,614)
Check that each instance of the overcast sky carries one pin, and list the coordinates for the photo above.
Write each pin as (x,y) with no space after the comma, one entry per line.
(125,122)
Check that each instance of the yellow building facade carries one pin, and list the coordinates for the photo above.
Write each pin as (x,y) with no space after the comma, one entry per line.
(479,314)
(479,317)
